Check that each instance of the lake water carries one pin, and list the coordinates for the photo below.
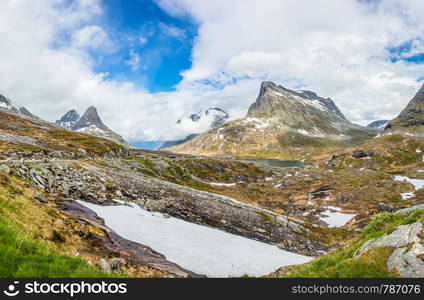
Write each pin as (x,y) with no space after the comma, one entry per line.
(279,163)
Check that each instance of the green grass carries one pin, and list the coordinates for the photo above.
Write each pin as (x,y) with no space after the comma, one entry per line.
(21,253)
(341,264)
(22,256)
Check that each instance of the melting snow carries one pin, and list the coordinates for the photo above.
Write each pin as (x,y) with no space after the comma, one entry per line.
(334,218)
(222,184)
(417,183)
(200,249)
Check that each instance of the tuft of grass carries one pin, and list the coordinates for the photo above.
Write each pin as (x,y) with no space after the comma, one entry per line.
(22,256)
(340,262)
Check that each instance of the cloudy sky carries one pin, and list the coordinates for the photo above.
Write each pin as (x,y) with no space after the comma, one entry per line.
(144,64)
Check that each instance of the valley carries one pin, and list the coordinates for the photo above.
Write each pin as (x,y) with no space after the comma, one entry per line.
(292,189)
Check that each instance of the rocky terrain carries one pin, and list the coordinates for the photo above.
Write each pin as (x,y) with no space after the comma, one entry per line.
(356,208)
(281,123)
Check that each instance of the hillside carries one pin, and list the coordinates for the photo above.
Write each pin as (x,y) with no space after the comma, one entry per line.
(281,123)
(411,118)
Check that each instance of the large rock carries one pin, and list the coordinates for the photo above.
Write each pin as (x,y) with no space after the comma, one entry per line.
(406,256)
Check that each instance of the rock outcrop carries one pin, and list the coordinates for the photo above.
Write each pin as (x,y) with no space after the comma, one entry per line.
(69,120)
(411,118)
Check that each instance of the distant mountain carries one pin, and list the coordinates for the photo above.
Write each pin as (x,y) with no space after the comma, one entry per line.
(380,124)
(281,119)
(7,106)
(411,118)
(168,144)
(213,117)
(216,115)
(91,124)
(69,120)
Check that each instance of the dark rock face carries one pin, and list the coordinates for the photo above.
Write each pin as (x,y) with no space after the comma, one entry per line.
(412,115)
(7,106)
(292,107)
(69,120)
(90,117)
(362,154)
(26,112)
(380,124)
(91,124)
(218,114)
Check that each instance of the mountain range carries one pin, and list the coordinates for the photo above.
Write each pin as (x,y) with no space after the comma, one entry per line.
(91,124)
(210,118)
(280,119)
(7,106)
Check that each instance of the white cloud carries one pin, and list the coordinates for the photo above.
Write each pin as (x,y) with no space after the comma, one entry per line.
(134,62)
(91,36)
(172,31)
(336,48)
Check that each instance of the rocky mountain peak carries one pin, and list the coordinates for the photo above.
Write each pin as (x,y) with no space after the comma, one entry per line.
(7,104)
(291,106)
(412,116)
(89,118)
(69,119)
(217,116)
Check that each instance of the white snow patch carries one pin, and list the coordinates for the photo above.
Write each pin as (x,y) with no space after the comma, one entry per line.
(200,249)
(417,183)
(406,196)
(334,218)
(222,184)
(269,179)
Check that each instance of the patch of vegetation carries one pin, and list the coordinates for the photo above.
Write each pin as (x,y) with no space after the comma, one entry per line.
(21,253)
(340,262)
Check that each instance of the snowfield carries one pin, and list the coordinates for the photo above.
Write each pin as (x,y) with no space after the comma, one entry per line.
(200,249)
(334,218)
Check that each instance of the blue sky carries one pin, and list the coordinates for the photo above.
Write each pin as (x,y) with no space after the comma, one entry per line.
(139,28)
(166,59)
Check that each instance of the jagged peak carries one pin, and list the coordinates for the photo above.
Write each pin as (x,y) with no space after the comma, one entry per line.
(90,117)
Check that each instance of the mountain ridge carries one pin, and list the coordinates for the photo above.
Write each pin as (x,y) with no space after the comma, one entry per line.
(281,119)
(90,123)
(411,118)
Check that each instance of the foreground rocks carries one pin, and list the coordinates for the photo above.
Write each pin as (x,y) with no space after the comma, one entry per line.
(100,184)
(406,258)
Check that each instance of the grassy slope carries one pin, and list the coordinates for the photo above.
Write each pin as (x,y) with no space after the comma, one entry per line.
(341,264)
(49,137)
(37,240)
(21,253)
